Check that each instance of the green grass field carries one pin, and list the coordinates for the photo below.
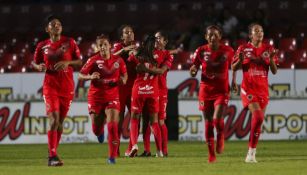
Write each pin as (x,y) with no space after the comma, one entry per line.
(274,158)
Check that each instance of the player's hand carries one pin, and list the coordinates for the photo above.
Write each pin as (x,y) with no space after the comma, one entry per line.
(193,71)
(41,67)
(95,75)
(234,87)
(61,65)
(129,48)
(122,81)
(273,53)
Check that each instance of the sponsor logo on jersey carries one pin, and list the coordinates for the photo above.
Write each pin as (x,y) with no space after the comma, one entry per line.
(250,97)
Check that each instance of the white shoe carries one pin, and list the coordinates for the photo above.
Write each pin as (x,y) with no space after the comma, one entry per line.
(159,154)
(134,151)
(251,156)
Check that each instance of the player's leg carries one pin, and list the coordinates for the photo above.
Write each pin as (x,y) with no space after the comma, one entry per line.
(256,123)
(97,116)
(163,127)
(65,103)
(155,128)
(220,105)
(112,114)
(52,109)
(146,133)
(207,108)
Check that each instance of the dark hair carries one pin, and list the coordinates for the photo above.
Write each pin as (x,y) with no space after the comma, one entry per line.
(163,33)
(250,27)
(215,27)
(121,28)
(51,17)
(102,36)
(145,52)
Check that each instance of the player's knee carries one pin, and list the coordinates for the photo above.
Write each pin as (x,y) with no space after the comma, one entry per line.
(161,122)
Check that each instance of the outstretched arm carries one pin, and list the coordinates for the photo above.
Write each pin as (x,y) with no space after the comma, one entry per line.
(94,75)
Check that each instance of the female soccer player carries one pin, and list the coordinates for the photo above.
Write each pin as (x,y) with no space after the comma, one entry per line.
(215,59)
(122,49)
(145,92)
(106,72)
(56,56)
(255,58)
(167,59)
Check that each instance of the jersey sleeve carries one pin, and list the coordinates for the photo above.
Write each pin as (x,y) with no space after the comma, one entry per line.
(132,58)
(116,47)
(196,60)
(168,60)
(236,55)
(38,54)
(88,66)
(76,55)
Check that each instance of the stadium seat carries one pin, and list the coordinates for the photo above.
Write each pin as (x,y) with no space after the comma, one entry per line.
(299,56)
(284,61)
(304,44)
(288,44)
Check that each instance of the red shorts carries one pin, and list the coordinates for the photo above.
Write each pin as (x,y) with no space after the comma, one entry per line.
(150,103)
(125,97)
(57,104)
(98,106)
(162,107)
(250,98)
(209,105)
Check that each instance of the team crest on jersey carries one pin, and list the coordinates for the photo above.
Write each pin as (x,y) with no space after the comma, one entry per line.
(100,61)
(116,65)
(265,54)
(250,97)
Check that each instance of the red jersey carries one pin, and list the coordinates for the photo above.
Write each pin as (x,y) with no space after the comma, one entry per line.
(215,64)
(130,65)
(167,60)
(255,68)
(145,84)
(59,83)
(110,71)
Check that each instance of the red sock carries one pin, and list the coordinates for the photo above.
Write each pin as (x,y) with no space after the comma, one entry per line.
(110,139)
(157,133)
(257,120)
(146,138)
(134,130)
(116,140)
(59,135)
(97,130)
(164,133)
(209,135)
(52,143)
(219,125)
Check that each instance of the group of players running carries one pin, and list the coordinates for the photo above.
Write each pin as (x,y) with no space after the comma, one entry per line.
(134,75)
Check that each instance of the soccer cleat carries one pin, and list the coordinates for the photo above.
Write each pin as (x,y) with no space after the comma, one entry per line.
(134,150)
(251,156)
(55,161)
(159,154)
(127,152)
(145,154)
(101,138)
(111,160)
